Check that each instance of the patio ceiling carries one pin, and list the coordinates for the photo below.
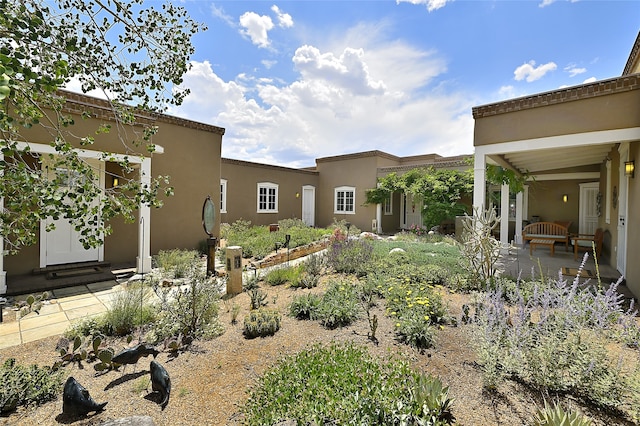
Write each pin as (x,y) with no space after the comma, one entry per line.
(555,158)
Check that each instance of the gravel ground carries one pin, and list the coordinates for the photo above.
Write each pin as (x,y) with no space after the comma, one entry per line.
(210,381)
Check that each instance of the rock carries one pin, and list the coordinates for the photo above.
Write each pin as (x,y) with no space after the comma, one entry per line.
(397,250)
(130,421)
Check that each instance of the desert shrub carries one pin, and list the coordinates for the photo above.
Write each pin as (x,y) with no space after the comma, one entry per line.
(27,385)
(349,256)
(415,330)
(339,306)
(558,341)
(556,416)
(314,264)
(257,298)
(261,323)
(306,280)
(250,283)
(87,326)
(480,250)
(189,312)
(282,274)
(344,384)
(305,306)
(177,262)
(130,308)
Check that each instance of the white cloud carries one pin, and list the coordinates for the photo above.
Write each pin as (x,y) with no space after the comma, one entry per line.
(431,4)
(546,3)
(268,63)
(590,80)
(506,92)
(256,27)
(573,70)
(348,71)
(284,19)
(357,100)
(219,12)
(531,73)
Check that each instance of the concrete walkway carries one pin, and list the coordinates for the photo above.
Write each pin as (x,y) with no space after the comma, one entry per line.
(57,314)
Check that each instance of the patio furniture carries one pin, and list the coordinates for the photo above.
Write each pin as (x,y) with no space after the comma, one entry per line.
(586,242)
(540,242)
(546,231)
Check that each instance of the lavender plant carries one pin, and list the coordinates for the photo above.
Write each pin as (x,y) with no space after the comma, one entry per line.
(556,340)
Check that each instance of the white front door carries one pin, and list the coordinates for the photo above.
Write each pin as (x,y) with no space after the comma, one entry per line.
(588,213)
(411,212)
(309,205)
(62,245)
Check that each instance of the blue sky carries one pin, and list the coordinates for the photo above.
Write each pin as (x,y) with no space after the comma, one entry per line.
(292,81)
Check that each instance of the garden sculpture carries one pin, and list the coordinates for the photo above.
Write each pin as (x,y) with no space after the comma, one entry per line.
(133,355)
(76,399)
(160,382)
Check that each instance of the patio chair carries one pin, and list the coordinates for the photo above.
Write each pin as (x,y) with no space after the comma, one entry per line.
(585,242)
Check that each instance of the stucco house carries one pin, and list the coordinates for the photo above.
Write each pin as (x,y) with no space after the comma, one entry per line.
(177,224)
(579,145)
(334,189)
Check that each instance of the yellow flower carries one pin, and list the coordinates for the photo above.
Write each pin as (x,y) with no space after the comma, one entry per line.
(410,305)
(393,313)
(409,292)
(397,324)
(426,317)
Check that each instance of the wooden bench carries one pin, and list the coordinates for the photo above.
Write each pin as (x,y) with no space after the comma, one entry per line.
(535,242)
(546,231)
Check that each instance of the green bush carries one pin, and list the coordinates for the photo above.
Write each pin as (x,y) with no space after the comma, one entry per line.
(177,262)
(130,308)
(344,385)
(261,323)
(340,305)
(190,312)
(282,274)
(22,385)
(305,306)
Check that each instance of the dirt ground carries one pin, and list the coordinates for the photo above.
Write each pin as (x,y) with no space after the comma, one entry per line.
(210,381)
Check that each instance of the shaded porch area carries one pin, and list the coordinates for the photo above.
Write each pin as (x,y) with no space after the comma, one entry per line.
(517,262)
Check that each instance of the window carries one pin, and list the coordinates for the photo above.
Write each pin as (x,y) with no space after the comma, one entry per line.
(387,206)
(223,195)
(344,201)
(267,197)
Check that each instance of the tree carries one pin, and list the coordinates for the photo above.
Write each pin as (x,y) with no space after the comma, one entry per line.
(135,57)
(440,191)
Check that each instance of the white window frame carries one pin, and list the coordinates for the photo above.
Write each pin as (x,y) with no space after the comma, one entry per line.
(387,205)
(268,186)
(223,195)
(344,190)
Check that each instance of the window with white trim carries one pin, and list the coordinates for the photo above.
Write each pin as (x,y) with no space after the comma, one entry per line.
(344,200)
(387,206)
(267,197)
(223,195)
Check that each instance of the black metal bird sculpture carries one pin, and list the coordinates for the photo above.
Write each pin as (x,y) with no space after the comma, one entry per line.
(76,399)
(133,355)
(160,382)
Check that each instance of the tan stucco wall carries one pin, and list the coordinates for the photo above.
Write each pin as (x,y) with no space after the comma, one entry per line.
(605,112)
(242,191)
(357,171)
(192,160)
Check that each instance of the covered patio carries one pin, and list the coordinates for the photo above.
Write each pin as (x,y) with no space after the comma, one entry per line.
(571,145)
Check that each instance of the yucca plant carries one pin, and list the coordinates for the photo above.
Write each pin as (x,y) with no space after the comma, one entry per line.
(556,416)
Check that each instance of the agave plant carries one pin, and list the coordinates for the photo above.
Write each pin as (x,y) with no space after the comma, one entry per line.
(556,416)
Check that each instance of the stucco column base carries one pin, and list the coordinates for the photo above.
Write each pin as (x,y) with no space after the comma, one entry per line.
(143,264)
(234,269)
(3,282)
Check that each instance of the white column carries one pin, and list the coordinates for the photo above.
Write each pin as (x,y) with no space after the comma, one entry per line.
(3,273)
(479,177)
(504,215)
(379,218)
(518,233)
(144,223)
